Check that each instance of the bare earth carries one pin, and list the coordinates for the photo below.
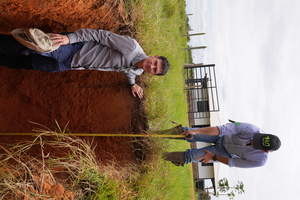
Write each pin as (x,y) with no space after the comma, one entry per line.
(90,101)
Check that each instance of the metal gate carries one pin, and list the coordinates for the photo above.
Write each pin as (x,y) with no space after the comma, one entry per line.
(201,88)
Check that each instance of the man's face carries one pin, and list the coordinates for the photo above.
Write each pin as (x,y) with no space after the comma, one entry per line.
(152,65)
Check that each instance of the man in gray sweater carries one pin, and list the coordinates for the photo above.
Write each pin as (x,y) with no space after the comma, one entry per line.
(86,49)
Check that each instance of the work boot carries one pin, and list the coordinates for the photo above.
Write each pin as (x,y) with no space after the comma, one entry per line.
(177,157)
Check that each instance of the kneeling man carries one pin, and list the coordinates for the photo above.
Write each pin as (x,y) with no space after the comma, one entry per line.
(237,145)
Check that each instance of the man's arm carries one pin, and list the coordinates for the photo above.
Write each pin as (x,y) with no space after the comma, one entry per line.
(121,43)
(234,162)
(205,131)
(209,157)
(241,128)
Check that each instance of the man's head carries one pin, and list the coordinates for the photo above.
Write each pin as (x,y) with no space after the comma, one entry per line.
(266,142)
(156,65)
(165,65)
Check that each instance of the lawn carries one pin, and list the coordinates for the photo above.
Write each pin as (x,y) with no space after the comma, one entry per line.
(159,28)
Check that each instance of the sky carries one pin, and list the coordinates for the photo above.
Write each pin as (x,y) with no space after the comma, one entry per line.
(255,45)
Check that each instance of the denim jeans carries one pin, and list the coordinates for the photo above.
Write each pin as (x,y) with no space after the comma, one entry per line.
(192,155)
(15,55)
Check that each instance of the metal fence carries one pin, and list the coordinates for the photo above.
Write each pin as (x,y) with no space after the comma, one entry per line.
(201,88)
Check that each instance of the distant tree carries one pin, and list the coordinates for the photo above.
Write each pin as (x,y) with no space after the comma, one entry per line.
(225,189)
(223,185)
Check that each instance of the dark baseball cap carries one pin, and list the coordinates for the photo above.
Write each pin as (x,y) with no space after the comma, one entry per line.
(267,142)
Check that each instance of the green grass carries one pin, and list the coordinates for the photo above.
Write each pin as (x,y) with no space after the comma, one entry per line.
(160,179)
(159,28)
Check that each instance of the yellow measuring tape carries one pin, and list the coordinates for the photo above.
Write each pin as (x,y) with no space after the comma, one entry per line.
(97,135)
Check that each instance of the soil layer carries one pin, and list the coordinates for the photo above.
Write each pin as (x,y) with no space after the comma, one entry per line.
(89,101)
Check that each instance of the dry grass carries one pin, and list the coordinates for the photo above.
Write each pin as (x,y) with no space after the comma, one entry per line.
(76,172)
(62,166)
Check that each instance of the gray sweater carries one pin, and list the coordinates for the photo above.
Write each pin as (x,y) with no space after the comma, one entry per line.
(107,51)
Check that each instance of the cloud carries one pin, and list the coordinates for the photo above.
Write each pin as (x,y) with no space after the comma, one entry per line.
(256,52)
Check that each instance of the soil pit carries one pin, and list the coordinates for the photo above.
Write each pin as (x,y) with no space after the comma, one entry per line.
(88,101)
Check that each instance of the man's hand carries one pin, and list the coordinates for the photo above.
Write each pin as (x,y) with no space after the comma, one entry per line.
(135,89)
(189,132)
(207,158)
(58,39)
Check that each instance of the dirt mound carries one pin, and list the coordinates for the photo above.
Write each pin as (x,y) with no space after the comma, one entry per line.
(48,189)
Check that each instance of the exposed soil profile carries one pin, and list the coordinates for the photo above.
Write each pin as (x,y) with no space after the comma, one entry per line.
(88,101)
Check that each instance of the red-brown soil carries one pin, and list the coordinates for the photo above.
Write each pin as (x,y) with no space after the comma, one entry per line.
(90,101)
